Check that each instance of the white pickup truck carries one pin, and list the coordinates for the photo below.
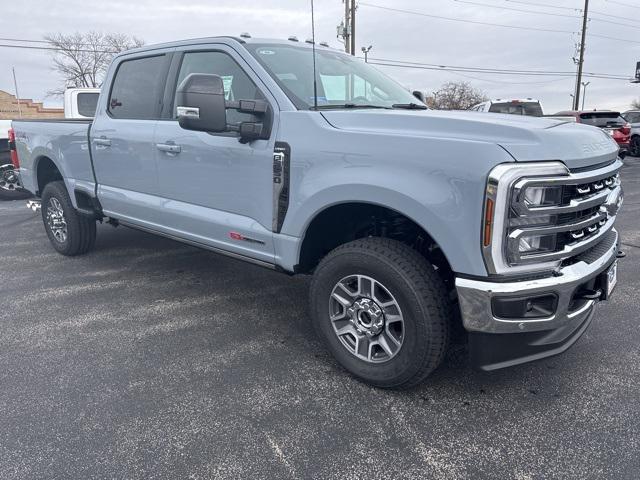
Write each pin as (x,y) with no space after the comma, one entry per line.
(79,104)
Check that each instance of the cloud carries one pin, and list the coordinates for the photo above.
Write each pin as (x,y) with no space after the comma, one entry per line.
(394,35)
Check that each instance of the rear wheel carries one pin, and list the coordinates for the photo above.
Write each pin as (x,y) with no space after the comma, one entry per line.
(382,311)
(70,232)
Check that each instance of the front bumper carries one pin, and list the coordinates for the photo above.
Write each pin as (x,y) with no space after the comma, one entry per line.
(532,338)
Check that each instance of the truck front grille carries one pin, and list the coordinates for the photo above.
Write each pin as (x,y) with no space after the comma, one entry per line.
(584,211)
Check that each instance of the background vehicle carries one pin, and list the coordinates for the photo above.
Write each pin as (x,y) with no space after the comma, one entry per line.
(633,117)
(80,102)
(413,223)
(611,122)
(521,106)
(9,181)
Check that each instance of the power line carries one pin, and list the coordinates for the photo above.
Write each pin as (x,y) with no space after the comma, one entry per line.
(497,70)
(439,17)
(393,63)
(625,4)
(57,49)
(544,5)
(501,7)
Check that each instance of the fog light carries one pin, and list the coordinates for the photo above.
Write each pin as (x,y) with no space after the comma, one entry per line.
(514,308)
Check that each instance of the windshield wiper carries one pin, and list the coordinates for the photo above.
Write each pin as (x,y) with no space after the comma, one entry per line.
(346,105)
(409,106)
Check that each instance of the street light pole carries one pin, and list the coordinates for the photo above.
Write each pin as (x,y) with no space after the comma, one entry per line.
(584,92)
(366,50)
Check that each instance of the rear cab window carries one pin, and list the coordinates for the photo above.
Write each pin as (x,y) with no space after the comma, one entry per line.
(603,119)
(531,109)
(137,88)
(87,103)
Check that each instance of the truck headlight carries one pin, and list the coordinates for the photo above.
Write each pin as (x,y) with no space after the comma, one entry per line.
(543,196)
(537,244)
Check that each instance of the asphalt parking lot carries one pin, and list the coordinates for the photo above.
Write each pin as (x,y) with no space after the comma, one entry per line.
(151,359)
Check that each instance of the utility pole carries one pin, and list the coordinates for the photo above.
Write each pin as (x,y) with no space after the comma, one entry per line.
(584,92)
(585,18)
(347,28)
(353,27)
(15,84)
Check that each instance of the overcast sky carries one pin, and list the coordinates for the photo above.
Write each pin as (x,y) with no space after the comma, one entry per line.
(394,35)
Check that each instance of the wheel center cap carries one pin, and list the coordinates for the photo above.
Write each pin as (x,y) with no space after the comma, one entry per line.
(366,316)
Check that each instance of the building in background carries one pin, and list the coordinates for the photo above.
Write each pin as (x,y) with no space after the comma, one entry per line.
(30,109)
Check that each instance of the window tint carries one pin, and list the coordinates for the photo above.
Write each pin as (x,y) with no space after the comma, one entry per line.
(532,109)
(136,88)
(237,84)
(87,103)
(603,119)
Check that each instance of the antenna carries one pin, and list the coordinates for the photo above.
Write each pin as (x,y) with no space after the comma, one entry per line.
(313,48)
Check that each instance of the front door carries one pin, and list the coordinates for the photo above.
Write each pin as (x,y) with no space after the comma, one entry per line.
(218,191)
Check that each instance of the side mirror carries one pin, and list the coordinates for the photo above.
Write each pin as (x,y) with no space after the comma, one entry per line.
(420,96)
(201,104)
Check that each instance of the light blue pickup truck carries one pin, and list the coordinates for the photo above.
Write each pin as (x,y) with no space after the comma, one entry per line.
(415,224)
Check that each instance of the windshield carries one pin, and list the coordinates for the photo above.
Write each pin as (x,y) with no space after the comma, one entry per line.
(603,119)
(342,80)
(532,109)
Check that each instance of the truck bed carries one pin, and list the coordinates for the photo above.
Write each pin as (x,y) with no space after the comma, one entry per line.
(65,142)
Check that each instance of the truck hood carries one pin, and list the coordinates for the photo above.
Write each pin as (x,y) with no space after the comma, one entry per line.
(526,139)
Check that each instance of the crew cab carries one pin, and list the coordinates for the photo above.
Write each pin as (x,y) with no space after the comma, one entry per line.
(414,223)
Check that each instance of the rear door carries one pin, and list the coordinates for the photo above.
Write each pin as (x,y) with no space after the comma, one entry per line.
(122,138)
(218,191)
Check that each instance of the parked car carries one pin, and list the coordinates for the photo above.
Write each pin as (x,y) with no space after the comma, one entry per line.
(611,122)
(9,181)
(519,106)
(633,117)
(412,222)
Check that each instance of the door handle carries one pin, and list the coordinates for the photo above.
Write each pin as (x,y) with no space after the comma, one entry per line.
(102,141)
(168,147)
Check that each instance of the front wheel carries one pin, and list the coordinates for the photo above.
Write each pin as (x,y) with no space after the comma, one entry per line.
(70,232)
(382,311)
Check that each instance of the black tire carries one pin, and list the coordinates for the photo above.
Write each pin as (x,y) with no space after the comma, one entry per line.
(80,229)
(634,146)
(420,293)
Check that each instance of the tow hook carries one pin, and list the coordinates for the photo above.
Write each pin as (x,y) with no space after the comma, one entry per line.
(621,254)
(590,294)
(34,205)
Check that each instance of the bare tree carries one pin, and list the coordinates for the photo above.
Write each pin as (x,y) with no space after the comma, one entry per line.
(456,96)
(82,59)
(636,104)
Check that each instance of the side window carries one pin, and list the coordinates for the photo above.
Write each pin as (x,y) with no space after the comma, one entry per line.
(137,88)
(237,84)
